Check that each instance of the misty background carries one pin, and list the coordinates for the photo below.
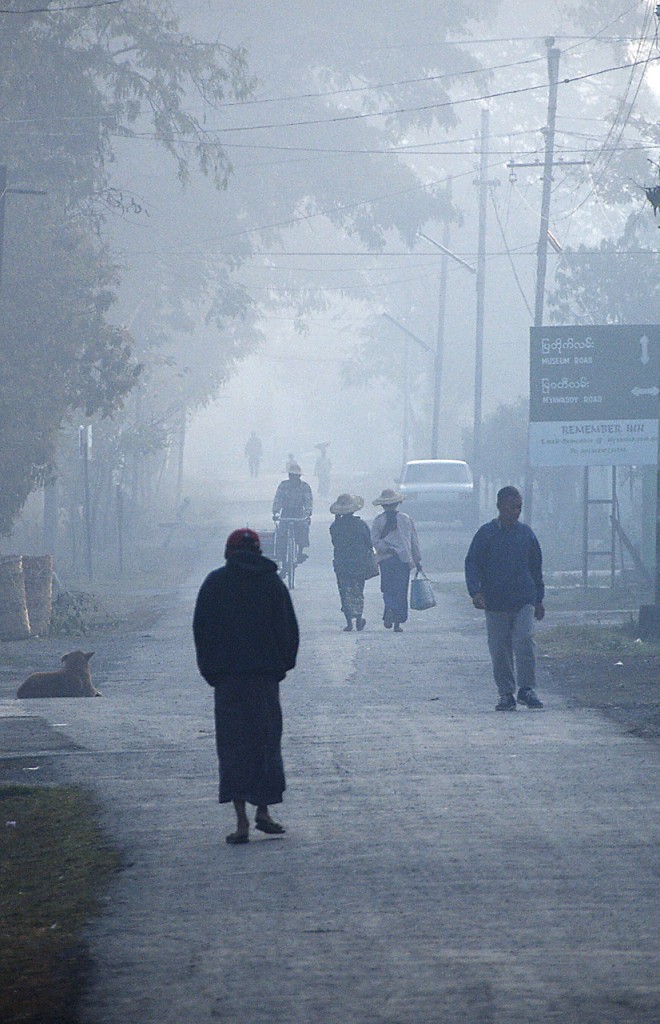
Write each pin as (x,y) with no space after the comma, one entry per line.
(233,196)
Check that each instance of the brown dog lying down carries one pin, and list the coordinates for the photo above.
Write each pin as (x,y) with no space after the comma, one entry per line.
(74,679)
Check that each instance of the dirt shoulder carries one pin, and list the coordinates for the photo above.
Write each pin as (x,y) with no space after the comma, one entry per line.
(608,668)
(55,860)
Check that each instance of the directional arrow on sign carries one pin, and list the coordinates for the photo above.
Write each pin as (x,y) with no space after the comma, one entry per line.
(645,391)
(644,342)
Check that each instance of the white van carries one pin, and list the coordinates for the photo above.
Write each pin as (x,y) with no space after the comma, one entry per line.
(438,489)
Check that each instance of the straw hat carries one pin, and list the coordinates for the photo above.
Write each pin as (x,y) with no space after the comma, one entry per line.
(294,468)
(346,504)
(389,497)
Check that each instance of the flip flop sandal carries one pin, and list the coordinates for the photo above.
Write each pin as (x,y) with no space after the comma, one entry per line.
(237,838)
(271,828)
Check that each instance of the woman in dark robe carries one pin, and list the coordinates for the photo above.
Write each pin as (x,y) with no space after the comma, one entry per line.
(246,640)
(351,541)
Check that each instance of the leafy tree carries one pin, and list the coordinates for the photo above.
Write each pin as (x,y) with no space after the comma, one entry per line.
(57,350)
(618,284)
(71,81)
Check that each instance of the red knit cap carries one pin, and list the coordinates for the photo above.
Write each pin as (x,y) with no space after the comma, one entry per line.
(242,540)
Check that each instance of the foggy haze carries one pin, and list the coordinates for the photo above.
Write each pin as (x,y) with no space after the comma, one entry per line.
(271,390)
(260,306)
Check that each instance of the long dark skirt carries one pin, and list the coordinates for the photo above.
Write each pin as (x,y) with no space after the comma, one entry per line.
(351,593)
(394,577)
(248,735)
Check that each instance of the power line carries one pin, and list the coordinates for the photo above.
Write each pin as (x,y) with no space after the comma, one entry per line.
(520,251)
(399,110)
(508,252)
(619,118)
(382,85)
(63,10)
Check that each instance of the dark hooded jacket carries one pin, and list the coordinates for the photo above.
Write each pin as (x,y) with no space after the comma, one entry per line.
(351,539)
(244,622)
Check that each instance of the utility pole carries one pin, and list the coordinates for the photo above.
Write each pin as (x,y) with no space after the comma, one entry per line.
(84,450)
(3,197)
(181,444)
(440,340)
(406,379)
(544,229)
(483,184)
(4,192)
(442,305)
(542,245)
(405,434)
(549,132)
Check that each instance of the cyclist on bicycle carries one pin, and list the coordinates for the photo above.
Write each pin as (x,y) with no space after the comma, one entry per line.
(293,500)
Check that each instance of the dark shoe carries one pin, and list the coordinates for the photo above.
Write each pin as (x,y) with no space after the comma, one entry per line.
(506,703)
(397,628)
(388,621)
(348,628)
(529,699)
(270,827)
(237,838)
(360,624)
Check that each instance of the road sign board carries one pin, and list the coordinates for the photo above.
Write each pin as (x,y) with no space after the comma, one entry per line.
(594,395)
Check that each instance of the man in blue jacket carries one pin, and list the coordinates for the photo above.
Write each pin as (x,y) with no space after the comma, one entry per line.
(504,576)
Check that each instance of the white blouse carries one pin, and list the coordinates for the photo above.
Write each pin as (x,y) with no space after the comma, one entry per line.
(402,542)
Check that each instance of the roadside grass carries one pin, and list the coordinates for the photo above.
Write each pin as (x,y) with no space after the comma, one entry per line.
(54,866)
(567,595)
(574,597)
(607,667)
(599,641)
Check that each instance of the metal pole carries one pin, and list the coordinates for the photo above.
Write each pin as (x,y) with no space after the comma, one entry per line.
(3,196)
(50,517)
(481,294)
(585,527)
(406,400)
(542,246)
(613,519)
(440,341)
(86,502)
(119,495)
(179,469)
(549,132)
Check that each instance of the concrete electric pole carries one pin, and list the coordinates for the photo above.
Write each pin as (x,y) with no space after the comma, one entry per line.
(483,184)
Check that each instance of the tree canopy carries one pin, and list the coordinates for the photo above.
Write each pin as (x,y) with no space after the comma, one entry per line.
(71,81)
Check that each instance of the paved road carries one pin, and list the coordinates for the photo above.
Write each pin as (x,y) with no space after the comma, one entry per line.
(442,863)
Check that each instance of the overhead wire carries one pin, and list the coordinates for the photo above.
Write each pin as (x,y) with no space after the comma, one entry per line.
(420,107)
(508,252)
(382,85)
(622,116)
(63,10)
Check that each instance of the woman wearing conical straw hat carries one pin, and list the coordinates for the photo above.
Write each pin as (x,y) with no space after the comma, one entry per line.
(394,537)
(351,541)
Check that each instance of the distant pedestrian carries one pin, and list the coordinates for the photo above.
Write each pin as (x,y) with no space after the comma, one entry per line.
(395,540)
(504,576)
(323,469)
(254,453)
(351,541)
(246,640)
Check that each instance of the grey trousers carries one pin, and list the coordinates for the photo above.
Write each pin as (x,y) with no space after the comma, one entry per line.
(512,649)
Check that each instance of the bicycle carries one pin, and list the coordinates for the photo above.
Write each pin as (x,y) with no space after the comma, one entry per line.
(290,559)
